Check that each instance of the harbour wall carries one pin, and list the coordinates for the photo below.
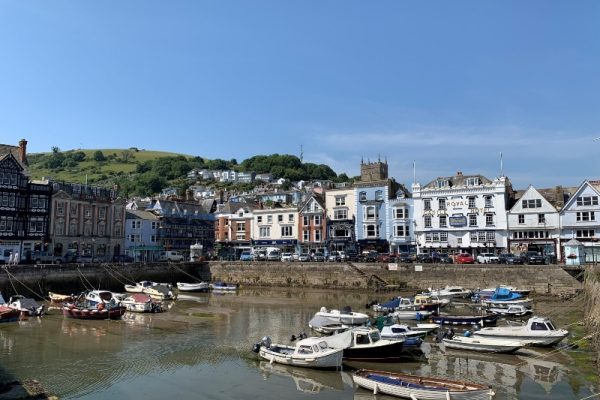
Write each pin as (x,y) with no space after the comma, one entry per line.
(550,279)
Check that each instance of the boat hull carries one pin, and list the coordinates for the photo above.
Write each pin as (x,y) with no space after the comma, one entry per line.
(8,314)
(333,359)
(192,287)
(93,313)
(458,320)
(390,352)
(482,345)
(532,340)
(419,387)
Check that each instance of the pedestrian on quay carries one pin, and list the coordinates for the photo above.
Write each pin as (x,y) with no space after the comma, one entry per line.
(16,258)
(10,258)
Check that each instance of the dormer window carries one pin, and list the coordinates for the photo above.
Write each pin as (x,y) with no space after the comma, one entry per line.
(442,183)
(379,195)
(473,181)
(362,196)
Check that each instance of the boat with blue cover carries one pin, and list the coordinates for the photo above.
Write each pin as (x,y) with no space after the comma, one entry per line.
(503,298)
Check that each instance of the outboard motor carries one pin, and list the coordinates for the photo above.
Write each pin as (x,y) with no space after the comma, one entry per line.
(265,341)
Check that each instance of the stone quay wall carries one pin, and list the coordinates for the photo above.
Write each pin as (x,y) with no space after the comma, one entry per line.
(544,279)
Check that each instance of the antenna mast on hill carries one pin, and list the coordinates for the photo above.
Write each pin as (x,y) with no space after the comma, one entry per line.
(301,154)
(501,166)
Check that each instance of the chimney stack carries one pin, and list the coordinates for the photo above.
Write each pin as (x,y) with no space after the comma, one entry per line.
(23,151)
(459,173)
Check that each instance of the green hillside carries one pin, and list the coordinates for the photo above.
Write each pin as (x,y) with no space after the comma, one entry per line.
(118,162)
(144,172)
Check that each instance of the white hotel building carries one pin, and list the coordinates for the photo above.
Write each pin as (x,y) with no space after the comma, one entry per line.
(462,214)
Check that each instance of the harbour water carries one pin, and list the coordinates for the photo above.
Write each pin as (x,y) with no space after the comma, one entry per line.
(201,348)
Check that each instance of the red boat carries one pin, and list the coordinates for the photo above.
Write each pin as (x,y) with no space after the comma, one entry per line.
(8,314)
(98,312)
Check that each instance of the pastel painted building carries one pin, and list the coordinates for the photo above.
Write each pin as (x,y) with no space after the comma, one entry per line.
(312,225)
(275,227)
(340,207)
(580,220)
(534,222)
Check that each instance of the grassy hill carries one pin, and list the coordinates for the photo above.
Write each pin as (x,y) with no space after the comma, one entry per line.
(117,163)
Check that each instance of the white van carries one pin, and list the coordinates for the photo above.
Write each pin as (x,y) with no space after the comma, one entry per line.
(173,256)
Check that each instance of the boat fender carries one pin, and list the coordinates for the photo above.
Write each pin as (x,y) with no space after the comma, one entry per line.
(256,348)
(100,306)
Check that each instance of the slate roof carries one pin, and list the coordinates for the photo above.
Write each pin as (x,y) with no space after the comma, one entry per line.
(458,180)
(556,196)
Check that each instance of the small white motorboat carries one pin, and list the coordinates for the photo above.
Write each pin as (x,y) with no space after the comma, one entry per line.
(483,344)
(538,331)
(416,315)
(426,327)
(222,287)
(396,331)
(327,326)
(192,287)
(419,387)
(140,302)
(516,310)
(344,316)
(451,292)
(27,306)
(312,352)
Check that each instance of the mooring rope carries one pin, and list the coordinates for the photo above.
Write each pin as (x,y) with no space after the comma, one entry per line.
(11,276)
(113,274)
(184,272)
(84,280)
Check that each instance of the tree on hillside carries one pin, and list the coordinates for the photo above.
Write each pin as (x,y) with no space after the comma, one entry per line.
(126,155)
(99,156)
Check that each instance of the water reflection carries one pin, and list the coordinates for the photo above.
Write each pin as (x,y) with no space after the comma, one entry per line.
(306,380)
(203,333)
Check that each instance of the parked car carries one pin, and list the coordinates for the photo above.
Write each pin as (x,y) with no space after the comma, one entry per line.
(44,257)
(404,258)
(351,256)
(171,256)
(487,258)
(368,256)
(286,257)
(122,258)
(509,258)
(246,256)
(464,258)
(424,258)
(304,257)
(334,256)
(386,258)
(318,257)
(534,257)
(274,255)
(445,259)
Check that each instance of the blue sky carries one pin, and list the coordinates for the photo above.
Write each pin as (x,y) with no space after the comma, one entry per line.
(448,85)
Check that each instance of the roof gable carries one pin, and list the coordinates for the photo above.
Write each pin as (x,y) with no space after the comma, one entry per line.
(585,187)
(9,161)
(533,194)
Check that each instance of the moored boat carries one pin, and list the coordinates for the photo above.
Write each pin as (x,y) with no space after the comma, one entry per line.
(312,352)
(193,287)
(516,310)
(87,312)
(419,387)
(396,331)
(483,344)
(503,298)
(412,315)
(140,302)
(327,326)
(343,316)
(27,307)
(57,298)
(538,331)
(481,320)
(365,344)
(8,314)
(222,287)
(451,292)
